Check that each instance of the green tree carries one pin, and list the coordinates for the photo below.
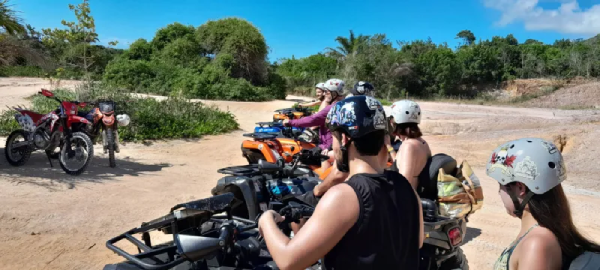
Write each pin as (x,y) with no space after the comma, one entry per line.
(9,20)
(467,36)
(240,39)
(348,45)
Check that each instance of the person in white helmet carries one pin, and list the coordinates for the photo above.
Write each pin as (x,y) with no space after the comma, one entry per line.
(414,153)
(319,92)
(334,89)
(529,172)
(392,143)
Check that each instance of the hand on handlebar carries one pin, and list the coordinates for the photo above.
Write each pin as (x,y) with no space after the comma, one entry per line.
(269,216)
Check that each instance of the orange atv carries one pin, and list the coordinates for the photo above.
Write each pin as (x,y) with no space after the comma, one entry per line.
(281,151)
(291,113)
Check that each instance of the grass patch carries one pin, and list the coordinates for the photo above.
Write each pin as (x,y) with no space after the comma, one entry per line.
(150,119)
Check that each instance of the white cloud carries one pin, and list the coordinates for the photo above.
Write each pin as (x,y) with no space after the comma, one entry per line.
(568,18)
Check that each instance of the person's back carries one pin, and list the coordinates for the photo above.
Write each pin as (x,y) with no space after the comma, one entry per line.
(384,239)
(414,153)
(367,222)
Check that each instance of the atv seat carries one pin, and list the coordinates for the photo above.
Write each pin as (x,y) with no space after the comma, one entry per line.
(260,136)
(429,176)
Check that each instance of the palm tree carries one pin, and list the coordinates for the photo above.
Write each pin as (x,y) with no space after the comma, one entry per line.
(348,46)
(9,20)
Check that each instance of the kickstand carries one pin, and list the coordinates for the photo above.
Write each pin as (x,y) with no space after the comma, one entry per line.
(49,160)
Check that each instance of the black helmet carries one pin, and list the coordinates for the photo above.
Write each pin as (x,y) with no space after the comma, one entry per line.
(362,88)
(357,116)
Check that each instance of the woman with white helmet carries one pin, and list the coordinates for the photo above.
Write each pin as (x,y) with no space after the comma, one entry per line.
(320,93)
(529,172)
(333,90)
(414,153)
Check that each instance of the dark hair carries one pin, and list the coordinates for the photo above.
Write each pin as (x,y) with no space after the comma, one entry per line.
(552,211)
(410,130)
(368,145)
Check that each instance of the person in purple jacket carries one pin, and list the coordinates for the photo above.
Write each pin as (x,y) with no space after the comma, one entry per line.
(334,90)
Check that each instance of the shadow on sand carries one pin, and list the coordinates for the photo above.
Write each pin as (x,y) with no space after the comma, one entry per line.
(98,171)
(472,233)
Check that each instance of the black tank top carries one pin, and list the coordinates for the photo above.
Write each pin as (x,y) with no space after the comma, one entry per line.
(386,234)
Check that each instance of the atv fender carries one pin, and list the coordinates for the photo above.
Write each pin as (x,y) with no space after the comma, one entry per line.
(244,190)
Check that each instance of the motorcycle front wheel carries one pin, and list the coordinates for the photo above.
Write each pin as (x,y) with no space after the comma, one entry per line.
(83,149)
(110,146)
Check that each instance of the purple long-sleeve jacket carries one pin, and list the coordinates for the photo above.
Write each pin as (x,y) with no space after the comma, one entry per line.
(317,119)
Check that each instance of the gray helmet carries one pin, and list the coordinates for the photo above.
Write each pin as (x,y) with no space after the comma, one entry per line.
(535,162)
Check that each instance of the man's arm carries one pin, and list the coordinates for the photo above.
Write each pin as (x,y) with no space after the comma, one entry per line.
(334,177)
(320,233)
(309,121)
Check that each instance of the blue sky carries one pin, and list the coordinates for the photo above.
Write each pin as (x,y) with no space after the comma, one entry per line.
(302,28)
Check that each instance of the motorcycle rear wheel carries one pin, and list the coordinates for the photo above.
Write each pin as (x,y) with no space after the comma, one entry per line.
(89,147)
(25,154)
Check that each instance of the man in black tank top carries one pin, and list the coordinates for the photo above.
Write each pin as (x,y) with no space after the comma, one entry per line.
(371,221)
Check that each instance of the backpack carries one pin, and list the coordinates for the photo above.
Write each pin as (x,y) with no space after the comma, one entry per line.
(586,261)
(460,193)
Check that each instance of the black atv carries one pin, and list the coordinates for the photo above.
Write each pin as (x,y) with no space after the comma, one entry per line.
(265,185)
(203,239)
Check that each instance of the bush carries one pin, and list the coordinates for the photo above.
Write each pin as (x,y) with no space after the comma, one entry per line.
(150,119)
(21,71)
(135,75)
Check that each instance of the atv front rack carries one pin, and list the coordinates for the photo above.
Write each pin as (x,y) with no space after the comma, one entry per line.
(242,170)
(260,136)
(158,258)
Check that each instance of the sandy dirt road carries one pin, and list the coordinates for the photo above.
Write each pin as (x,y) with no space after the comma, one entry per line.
(49,220)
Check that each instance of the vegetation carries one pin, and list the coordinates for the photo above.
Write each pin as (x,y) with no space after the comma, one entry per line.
(427,70)
(60,53)
(224,59)
(71,53)
(227,59)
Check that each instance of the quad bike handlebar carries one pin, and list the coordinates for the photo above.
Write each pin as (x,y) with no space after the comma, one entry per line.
(229,235)
(266,167)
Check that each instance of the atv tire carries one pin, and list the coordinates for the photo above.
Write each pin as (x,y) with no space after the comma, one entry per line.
(458,262)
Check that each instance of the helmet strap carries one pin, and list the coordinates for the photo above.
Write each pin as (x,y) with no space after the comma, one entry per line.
(344,166)
(519,207)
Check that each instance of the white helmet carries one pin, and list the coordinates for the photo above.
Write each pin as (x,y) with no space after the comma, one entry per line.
(123,119)
(320,86)
(535,162)
(335,85)
(406,111)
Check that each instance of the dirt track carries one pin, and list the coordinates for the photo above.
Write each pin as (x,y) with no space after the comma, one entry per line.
(50,220)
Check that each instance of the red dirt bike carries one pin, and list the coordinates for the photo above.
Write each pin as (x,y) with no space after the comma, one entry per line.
(47,132)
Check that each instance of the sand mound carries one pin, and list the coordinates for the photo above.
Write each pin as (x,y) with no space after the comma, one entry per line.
(581,96)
